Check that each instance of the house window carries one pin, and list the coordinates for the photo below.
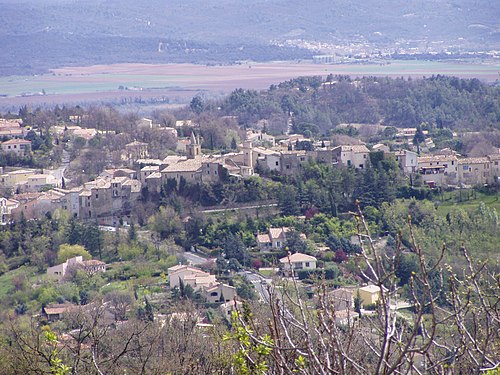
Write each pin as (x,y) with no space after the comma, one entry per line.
(97,196)
(277,163)
(452,162)
(214,294)
(349,163)
(361,166)
(287,167)
(307,264)
(465,167)
(364,156)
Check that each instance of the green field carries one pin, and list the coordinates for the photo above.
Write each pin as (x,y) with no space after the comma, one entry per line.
(468,200)
(107,78)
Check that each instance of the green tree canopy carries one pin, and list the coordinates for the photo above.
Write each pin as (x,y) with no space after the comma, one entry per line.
(67,251)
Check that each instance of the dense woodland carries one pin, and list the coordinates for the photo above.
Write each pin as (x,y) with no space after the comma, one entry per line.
(436,249)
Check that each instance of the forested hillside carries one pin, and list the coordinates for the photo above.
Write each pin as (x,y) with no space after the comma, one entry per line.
(316,107)
(72,32)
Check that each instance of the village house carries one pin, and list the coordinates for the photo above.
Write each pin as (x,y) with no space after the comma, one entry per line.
(228,308)
(189,275)
(266,158)
(54,312)
(20,147)
(438,170)
(407,160)
(6,207)
(106,197)
(85,133)
(37,182)
(26,207)
(369,294)
(12,128)
(274,239)
(119,172)
(341,299)
(381,147)
(15,178)
(298,261)
(473,171)
(220,293)
(199,168)
(60,270)
(292,161)
(146,171)
(46,202)
(199,281)
(357,156)
(494,167)
(135,150)
(257,137)
(189,170)
(91,267)
(145,122)
(71,200)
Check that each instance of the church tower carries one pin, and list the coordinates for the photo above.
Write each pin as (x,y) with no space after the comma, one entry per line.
(194,147)
(247,153)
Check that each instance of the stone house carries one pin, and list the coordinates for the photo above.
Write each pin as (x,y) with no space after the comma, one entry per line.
(6,207)
(220,293)
(407,160)
(37,182)
(473,171)
(356,156)
(438,169)
(20,147)
(341,299)
(135,150)
(106,197)
(11,128)
(292,161)
(494,167)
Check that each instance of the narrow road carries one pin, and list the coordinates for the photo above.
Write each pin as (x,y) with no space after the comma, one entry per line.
(58,173)
(239,208)
(194,259)
(259,282)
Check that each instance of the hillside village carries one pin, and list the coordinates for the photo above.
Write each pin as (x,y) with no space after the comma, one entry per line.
(112,195)
(199,224)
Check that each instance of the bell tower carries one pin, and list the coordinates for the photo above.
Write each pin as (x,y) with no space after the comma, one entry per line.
(194,147)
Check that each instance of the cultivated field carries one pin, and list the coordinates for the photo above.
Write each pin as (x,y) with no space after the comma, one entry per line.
(177,83)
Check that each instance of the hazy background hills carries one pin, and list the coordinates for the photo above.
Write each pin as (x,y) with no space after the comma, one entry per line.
(35,35)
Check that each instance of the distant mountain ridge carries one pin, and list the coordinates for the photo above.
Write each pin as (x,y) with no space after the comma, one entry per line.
(129,29)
